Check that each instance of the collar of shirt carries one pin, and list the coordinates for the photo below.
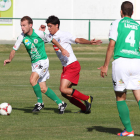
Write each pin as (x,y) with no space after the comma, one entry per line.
(56,33)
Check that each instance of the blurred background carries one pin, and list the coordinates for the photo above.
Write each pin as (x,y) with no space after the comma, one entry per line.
(82,18)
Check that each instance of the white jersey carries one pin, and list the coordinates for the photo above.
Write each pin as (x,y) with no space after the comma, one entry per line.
(65,39)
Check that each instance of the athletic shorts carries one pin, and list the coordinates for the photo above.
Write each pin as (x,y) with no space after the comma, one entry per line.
(126,74)
(72,72)
(41,67)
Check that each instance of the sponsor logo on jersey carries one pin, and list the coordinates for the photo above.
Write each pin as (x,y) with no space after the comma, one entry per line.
(121,82)
(27,42)
(35,41)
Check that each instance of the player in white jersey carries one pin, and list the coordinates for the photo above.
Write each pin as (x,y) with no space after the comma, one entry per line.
(34,43)
(71,67)
(124,38)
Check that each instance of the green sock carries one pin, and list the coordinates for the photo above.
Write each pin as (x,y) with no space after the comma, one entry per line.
(38,93)
(124,115)
(53,96)
(139,104)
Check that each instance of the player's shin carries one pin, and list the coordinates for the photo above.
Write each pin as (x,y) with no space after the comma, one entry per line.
(38,93)
(79,95)
(124,115)
(53,96)
(78,103)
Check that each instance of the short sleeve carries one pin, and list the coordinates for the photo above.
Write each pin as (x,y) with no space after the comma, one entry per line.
(18,42)
(113,32)
(45,37)
(48,38)
(70,38)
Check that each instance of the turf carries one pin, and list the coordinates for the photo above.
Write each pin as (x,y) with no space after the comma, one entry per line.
(102,124)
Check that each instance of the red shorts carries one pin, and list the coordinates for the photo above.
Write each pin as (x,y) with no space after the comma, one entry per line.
(72,72)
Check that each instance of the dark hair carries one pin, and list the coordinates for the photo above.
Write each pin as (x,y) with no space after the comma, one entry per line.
(127,8)
(53,20)
(30,21)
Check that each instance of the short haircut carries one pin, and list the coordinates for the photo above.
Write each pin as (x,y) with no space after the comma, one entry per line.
(127,8)
(30,21)
(53,20)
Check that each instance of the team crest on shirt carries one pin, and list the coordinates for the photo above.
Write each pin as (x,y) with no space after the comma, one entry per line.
(35,41)
(27,42)
(58,40)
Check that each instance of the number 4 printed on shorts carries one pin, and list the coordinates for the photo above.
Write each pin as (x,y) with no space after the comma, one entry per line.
(131,38)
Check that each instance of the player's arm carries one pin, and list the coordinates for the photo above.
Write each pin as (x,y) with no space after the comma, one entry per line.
(11,56)
(15,47)
(85,41)
(64,52)
(109,54)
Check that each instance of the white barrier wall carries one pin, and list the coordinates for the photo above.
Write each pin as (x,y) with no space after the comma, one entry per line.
(68,9)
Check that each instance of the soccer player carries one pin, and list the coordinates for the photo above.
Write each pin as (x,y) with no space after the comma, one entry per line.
(124,42)
(71,67)
(34,43)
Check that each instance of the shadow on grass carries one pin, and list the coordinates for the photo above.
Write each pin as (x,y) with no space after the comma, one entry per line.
(29,110)
(106,130)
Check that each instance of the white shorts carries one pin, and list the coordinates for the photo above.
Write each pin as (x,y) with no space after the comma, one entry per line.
(41,67)
(126,74)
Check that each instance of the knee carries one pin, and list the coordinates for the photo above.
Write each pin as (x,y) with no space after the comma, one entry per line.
(43,89)
(62,90)
(32,82)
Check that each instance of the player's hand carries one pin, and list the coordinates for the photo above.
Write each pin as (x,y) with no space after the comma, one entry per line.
(104,70)
(7,61)
(96,42)
(65,53)
(42,28)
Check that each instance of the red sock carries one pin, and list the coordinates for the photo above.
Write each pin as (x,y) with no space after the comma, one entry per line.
(78,103)
(79,95)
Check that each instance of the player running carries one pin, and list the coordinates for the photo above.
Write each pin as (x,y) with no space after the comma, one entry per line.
(124,42)
(71,67)
(34,43)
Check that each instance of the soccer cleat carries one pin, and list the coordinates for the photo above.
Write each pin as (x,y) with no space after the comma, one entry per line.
(38,107)
(125,133)
(62,107)
(88,103)
(82,111)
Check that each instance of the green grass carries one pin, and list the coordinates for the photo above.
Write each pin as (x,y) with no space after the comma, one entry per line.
(102,124)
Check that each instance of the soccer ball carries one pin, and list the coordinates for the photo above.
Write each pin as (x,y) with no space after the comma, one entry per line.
(5,109)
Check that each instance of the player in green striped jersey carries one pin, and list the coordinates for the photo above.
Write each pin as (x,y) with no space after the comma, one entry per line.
(34,44)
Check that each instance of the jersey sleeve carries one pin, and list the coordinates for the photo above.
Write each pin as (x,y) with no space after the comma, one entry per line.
(48,38)
(113,32)
(70,38)
(45,37)
(18,42)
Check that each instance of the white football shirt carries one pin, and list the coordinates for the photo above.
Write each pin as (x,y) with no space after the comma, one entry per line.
(65,39)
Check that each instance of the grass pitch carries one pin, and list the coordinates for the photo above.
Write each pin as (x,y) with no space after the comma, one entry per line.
(102,124)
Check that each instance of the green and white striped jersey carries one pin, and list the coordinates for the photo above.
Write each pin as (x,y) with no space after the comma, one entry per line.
(126,33)
(34,44)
